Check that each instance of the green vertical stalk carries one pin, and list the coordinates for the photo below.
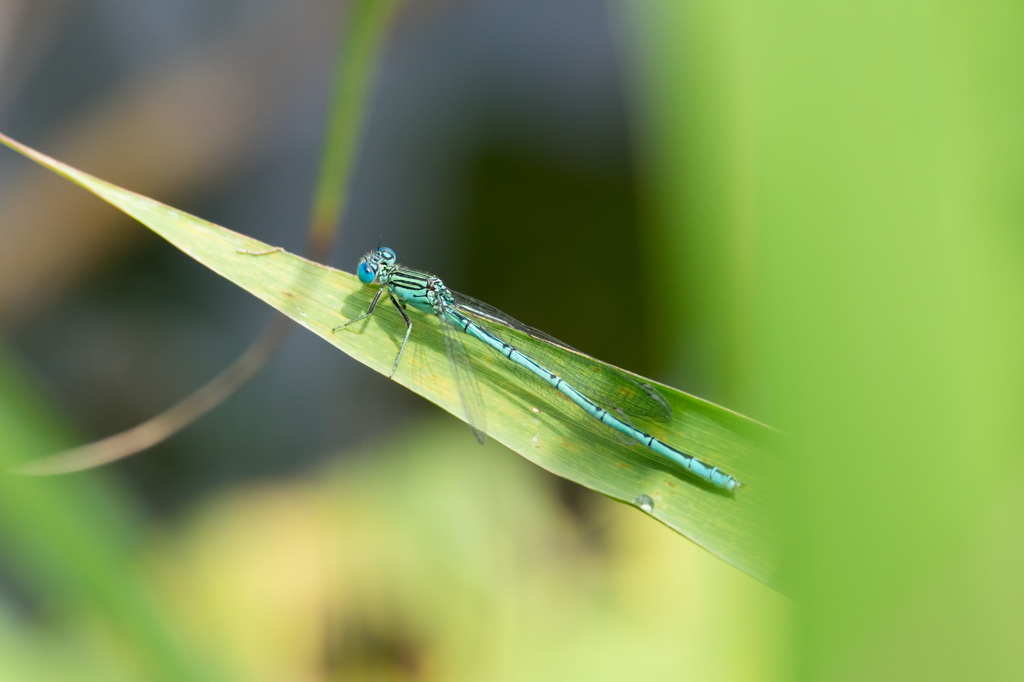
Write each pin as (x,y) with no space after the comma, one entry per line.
(366,26)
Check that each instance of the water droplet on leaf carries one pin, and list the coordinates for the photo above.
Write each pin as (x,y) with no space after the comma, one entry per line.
(644,502)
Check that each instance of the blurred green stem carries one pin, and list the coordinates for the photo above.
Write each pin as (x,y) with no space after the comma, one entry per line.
(354,65)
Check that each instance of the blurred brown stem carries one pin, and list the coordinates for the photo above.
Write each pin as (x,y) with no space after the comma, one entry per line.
(167,423)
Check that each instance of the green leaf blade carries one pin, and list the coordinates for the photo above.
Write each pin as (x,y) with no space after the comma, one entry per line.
(542,426)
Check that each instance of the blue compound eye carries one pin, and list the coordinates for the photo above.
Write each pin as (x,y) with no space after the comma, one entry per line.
(367,273)
(387,253)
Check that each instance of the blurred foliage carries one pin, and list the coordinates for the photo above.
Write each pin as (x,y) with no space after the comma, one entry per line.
(428,557)
(73,543)
(843,182)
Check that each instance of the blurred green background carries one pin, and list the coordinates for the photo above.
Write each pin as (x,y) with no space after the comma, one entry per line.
(810,214)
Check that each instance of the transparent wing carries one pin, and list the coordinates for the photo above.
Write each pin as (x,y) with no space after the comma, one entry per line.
(465,379)
(610,387)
